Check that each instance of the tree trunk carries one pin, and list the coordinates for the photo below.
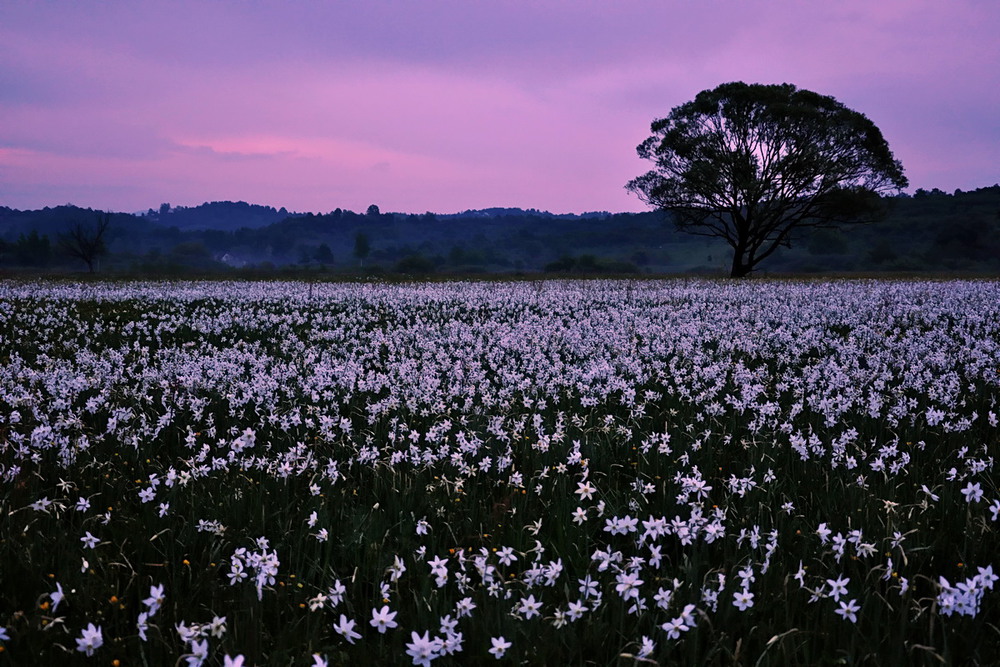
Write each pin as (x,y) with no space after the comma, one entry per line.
(739,268)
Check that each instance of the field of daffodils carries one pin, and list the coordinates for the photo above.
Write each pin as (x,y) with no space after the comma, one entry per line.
(592,472)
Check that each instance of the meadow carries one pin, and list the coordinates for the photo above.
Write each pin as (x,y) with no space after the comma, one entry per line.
(578,472)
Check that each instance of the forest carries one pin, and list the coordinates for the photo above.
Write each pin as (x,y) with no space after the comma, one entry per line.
(927,232)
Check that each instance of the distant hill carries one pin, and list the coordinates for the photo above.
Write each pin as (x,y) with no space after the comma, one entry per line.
(223,215)
(929,231)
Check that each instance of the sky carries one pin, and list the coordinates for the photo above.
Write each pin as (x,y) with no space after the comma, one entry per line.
(448,105)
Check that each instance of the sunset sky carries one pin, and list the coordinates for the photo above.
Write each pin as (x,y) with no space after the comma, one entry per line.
(446,105)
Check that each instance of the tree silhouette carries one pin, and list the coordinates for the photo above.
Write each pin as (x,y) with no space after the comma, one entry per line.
(755,164)
(86,242)
(362,246)
(323,254)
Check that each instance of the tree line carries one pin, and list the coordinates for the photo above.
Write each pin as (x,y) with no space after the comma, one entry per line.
(929,231)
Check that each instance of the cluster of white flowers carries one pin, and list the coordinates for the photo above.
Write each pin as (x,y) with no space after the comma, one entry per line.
(965,597)
(261,564)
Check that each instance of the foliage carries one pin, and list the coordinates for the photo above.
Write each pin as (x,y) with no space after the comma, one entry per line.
(362,246)
(756,164)
(415,264)
(589,265)
(32,249)
(86,242)
(929,232)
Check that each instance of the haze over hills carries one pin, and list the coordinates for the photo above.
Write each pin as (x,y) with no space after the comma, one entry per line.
(930,231)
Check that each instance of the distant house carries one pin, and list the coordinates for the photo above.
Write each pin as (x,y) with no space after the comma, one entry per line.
(231,260)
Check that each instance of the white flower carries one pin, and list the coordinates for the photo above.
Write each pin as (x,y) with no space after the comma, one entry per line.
(687,615)
(973,492)
(397,568)
(383,619)
(421,648)
(154,600)
(628,585)
(500,646)
(187,634)
(506,555)
(448,624)
(576,610)
(57,597)
(217,627)
(199,652)
(662,598)
(866,549)
(464,607)
(647,648)
(345,628)
(236,572)
(585,490)
(838,587)
(848,610)
(90,640)
(529,607)
(743,599)
(800,575)
(336,593)
(986,577)
(41,505)
(674,628)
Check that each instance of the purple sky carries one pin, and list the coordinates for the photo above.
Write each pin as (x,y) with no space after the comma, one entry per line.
(445,105)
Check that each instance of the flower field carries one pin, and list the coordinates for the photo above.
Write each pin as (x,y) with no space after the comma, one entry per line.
(680,472)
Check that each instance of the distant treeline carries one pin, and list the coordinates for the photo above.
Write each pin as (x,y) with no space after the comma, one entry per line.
(931,231)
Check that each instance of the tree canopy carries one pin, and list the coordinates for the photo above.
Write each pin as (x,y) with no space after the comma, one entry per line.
(86,242)
(758,164)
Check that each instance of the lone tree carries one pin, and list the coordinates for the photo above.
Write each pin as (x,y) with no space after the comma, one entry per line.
(362,246)
(86,242)
(757,165)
